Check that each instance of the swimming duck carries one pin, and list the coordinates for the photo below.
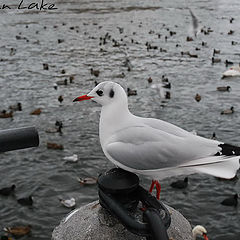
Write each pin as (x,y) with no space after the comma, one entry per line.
(87,180)
(228,111)
(71,78)
(62,82)
(27,201)
(150,80)
(131,92)
(180,184)
(54,146)
(17,107)
(7,190)
(231,201)
(36,111)
(215,51)
(216,60)
(45,66)
(94,72)
(57,129)
(224,89)
(5,114)
(18,230)
(228,62)
(60,98)
(198,97)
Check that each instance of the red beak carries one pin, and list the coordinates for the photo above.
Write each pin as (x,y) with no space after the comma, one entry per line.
(82,98)
(205,236)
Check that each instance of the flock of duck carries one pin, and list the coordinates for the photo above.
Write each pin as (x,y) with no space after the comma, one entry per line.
(162,86)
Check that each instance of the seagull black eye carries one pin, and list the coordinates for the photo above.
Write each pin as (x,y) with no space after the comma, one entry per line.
(99,92)
(111,94)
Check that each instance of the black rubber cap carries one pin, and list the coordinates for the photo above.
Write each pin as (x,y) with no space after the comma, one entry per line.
(18,138)
(118,181)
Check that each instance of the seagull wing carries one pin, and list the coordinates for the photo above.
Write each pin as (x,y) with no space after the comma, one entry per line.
(144,148)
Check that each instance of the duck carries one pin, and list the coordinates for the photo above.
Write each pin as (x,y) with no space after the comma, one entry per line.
(36,111)
(189,39)
(216,51)
(213,137)
(167,95)
(69,203)
(54,146)
(150,80)
(73,158)
(232,72)
(5,114)
(167,85)
(231,201)
(57,129)
(55,86)
(45,66)
(180,184)
(18,230)
(164,79)
(193,55)
(62,82)
(94,72)
(198,97)
(224,88)
(7,190)
(71,79)
(228,111)
(60,99)
(27,201)
(87,180)
(228,62)
(17,107)
(199,231)
(216,60)
(131,92)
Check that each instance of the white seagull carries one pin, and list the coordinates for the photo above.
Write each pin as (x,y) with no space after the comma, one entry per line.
(68,202)
(154,147)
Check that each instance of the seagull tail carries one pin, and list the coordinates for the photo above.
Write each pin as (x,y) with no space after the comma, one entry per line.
(225,168)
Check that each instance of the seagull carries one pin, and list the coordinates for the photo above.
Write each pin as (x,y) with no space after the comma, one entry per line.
(73,158)
(195,24)
(68,202)
(153,147)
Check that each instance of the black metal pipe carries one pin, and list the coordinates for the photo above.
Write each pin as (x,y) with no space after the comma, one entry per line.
(18,138)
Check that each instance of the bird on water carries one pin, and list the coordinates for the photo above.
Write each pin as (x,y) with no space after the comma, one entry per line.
(149,146)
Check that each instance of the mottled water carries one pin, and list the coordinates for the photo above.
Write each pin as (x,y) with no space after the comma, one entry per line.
(42,172)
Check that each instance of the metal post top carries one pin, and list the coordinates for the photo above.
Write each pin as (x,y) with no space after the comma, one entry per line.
(118,180)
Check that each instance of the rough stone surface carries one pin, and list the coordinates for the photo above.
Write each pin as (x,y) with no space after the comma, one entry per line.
(92,222)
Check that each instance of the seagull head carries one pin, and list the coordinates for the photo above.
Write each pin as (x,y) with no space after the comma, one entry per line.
(105,93)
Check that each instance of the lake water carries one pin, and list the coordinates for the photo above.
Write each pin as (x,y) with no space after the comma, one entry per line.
(29,38)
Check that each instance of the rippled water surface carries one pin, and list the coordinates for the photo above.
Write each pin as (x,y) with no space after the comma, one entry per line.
(42,172)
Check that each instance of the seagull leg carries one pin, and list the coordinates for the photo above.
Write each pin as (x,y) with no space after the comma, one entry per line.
(158,188)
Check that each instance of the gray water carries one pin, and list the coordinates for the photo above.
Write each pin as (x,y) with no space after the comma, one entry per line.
(42,172)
